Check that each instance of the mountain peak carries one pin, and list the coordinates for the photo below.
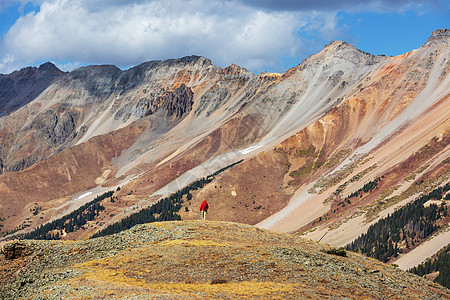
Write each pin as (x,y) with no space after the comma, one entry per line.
(339,50)
(335,46)
(234,69)
(188,60)
(338,43)
(439,35)
(48,66)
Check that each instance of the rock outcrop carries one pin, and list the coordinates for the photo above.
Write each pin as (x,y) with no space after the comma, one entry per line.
(53,129)
(179,101)
(14,250)
(439,35)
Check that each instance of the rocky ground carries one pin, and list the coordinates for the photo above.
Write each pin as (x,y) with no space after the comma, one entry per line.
(200,260)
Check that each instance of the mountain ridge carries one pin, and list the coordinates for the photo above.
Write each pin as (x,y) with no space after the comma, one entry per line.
(304,136)
(201,259)
(31,79)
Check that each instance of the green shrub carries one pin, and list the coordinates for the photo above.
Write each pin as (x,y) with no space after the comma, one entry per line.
(339,252)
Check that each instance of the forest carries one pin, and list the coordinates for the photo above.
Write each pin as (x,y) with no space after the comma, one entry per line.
(405,228)
(164,210)
(71,222)
(440,263)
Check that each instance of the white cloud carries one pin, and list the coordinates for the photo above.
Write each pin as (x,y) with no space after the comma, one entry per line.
(256,34)
(6,61)
(126,33)
(348,5)
(10,63)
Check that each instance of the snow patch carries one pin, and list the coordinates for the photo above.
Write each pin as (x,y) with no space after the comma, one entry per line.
(84,195)
(250,149)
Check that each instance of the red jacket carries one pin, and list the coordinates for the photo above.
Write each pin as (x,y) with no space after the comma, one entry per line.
(204,205)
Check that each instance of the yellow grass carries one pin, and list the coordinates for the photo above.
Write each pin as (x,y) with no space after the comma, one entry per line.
(193,243)
(244,288)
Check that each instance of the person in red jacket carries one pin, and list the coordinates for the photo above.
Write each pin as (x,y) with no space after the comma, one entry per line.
(203,209)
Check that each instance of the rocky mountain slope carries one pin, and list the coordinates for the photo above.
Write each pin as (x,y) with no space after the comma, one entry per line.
(21,87)
(310,138)
(198,260)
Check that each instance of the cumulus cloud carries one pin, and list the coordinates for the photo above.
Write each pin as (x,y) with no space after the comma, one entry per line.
(256,34)
(327,5)
(6,61)
(129,32)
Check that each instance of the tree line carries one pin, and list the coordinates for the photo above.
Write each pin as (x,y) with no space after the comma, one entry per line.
(408,226)
(164,210)
(71,222)
(440,263)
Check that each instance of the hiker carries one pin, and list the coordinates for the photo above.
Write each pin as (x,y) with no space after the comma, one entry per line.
(203,209)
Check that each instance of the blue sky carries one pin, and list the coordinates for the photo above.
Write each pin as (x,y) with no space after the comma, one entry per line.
(260,35)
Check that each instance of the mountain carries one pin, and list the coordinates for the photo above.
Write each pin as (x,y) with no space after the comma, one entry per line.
(311,139)
(201,260)
(21,87)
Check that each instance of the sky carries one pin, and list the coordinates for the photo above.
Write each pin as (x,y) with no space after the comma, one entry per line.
(260,35)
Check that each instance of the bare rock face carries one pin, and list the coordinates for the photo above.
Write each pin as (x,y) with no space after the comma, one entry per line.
(176,101)
(21,87)
(53,129)
(65,128)
(48,133)
(439,35)
(13,250)
(143,107)
(179,101)
(21,163)
(98,82)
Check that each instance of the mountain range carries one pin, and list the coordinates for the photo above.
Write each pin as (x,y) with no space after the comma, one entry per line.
(328,147)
